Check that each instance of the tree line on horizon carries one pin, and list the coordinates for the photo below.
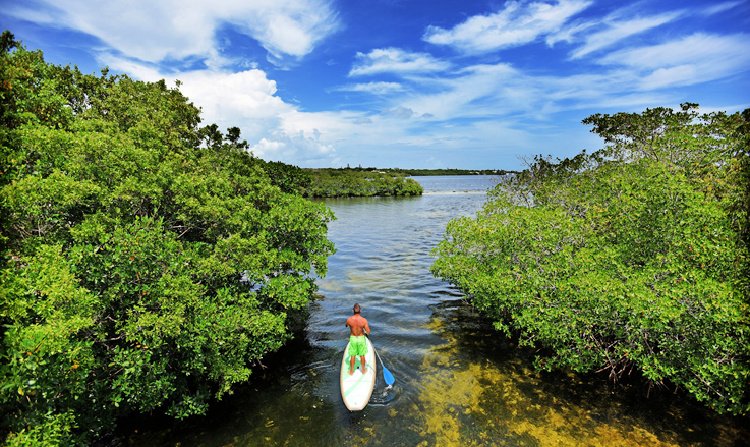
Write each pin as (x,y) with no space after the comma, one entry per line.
(418,171)
(343,183)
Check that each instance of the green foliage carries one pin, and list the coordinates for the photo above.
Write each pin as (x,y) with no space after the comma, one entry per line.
(287,177)
(54,430)
(326,183)
(629,258)
(147,265)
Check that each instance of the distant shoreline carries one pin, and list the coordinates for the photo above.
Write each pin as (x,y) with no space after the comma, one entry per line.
(418,172)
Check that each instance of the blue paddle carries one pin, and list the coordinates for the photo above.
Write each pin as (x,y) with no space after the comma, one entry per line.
(387,376)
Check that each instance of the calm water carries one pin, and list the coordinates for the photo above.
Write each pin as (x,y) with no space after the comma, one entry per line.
(457,382)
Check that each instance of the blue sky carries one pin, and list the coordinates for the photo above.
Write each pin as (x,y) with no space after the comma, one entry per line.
(389,83)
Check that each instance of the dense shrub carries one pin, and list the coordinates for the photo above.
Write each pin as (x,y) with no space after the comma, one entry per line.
(326,183)
(148,264)
(634,256)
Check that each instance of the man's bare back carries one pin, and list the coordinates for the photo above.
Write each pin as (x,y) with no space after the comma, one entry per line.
(357,325)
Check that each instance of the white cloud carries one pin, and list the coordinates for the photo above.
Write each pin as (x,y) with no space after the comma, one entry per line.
(154,31)
(395,60)
(689,60)
(373,88)
(515,25)
(568,33)
(136,69)
(600,33)
(721,7)
(399,112)
(502,91)
(671,77)
(295,149)
(691,48)
(618,30)
(285,27)
(471,93)
(248,99)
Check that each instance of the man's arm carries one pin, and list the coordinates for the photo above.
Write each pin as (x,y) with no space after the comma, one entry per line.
(367,328)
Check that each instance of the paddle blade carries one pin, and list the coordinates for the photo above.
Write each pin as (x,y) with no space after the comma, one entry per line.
(388,377)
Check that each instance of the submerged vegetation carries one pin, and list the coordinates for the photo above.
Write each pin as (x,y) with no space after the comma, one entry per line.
(327,183)
(147,263)
(634,257)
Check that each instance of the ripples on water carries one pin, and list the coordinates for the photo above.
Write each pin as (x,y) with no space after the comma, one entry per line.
(457,381)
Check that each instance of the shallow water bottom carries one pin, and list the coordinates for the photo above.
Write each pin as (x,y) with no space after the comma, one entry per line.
(458,381)
(474,389)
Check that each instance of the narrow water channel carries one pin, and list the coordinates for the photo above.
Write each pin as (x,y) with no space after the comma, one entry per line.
(458,383)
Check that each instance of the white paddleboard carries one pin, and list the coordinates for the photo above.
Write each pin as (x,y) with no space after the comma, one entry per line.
(356,389)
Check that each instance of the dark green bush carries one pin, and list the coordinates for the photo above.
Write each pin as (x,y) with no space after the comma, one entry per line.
(147,264)
(328,183)
(635,256)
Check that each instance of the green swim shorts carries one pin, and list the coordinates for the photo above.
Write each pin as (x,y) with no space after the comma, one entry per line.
(357,345)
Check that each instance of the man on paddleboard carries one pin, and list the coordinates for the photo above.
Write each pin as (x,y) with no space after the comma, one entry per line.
(358,327)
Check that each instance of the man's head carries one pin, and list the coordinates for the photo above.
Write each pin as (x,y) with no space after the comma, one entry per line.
(357,309)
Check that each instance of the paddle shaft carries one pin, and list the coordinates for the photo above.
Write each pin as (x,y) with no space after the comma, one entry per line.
(387,376)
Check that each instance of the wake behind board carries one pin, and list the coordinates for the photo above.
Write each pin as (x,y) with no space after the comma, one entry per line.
(356,389)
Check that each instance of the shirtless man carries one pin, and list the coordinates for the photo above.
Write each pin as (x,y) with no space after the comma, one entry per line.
(358,327)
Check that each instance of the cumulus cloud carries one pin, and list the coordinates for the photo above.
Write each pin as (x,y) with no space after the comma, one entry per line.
(516,24)
(303,149)
(286,27)
(395,60)
(154,31)
(248,99)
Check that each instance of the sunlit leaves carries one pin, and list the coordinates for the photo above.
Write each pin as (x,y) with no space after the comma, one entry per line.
(143,271)
(631,257)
